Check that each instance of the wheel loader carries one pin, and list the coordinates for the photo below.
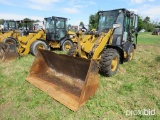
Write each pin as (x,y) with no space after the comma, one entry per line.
(55,35)
(72,79)
(9,29)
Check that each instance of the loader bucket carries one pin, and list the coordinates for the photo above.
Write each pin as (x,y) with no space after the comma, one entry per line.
(8,51)
(71,81)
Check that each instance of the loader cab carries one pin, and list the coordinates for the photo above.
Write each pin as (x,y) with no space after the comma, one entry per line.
(9,25)
(55,28)
(128,25)
(26,27)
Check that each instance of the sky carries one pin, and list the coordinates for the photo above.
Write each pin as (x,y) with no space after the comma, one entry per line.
(75,10)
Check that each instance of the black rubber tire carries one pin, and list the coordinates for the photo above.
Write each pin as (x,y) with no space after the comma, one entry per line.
(71,51)
(129,57)
(34,45)
(10,41)
(65,43)
(107,57)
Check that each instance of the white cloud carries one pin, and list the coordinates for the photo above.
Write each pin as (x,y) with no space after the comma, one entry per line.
(150,10)
(44,2)
(71,10)
(74,6)
(19,17)
(135,10)
(92,2)
(140,1)
(44,5)
(6,2)
(137,1)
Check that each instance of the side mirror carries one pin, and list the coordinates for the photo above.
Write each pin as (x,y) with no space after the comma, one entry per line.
(116,25)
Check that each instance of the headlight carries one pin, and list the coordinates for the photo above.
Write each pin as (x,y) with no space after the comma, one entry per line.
(71,36)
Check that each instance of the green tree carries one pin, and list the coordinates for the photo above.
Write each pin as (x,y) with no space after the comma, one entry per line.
(147,25)
(93,20)
(146,20)
(81,24)
(1,21)
(140,23)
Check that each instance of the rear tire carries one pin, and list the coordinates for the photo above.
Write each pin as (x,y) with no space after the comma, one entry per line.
(109,62)
(67,45)
(38,45)
(72,51)
(130,56)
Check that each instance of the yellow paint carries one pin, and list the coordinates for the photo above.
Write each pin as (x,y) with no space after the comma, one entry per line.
(125,55)
(114,63)
(102,41)
(26,42)
(54,44)
(6,35)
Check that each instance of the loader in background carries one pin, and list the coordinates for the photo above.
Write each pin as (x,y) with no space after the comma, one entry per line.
(9,29)
(73,79)
(55,35)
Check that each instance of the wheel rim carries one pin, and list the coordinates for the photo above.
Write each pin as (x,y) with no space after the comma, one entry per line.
(131,55)
(67,46)
(40,46)
(114,63)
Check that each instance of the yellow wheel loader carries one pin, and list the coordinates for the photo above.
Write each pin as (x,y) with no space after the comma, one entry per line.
(72,79)
(10,29)
(55,35)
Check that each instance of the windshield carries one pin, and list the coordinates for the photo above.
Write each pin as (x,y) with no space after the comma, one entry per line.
(60,23)
(5,25)
(12,25)
(107,19)
(49,24)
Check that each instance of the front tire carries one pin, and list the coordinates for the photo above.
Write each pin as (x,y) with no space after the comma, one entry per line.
(72,51)
(67,45)
(130,56)
(10,41)
(109,62)
(38,45)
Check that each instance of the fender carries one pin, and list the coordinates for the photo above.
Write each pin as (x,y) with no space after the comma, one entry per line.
(120,51)
(46,41)
(127,46)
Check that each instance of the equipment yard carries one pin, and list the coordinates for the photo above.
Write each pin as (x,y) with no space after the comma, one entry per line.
(135,87)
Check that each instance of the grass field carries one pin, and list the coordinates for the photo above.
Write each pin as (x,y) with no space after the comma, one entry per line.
(135,87)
